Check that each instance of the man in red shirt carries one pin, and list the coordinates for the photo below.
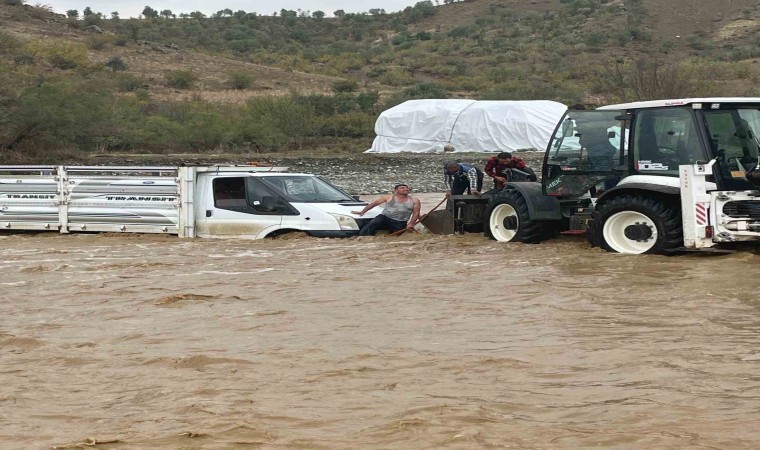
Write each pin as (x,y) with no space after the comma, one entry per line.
(496,168)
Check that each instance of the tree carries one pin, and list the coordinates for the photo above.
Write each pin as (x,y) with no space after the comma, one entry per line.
(87,11)
(46,112)
(72,13)
(115,15)
(652,78)
(339,13)
(318,14)
(377,11)
(149,13)
(167,13)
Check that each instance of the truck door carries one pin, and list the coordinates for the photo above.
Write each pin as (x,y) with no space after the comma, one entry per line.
(242,206)
(588,152)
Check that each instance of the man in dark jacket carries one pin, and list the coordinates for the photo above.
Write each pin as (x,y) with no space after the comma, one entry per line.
(461,177)
(497,167)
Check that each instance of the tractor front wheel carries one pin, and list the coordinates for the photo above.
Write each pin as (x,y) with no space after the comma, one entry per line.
(636,224)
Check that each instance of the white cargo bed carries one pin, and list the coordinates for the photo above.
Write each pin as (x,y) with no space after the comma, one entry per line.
(103,198)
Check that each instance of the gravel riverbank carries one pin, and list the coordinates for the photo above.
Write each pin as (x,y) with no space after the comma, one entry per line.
(357,173)
(375,174)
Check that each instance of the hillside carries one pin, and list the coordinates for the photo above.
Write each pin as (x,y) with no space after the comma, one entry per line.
(150,60)
(241,82)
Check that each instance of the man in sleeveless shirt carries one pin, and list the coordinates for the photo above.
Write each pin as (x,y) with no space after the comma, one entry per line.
(401,211)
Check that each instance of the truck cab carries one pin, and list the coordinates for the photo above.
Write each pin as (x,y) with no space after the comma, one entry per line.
(627,176)
(261,204)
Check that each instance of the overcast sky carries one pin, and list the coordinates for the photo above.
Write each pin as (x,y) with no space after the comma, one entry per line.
(128,8)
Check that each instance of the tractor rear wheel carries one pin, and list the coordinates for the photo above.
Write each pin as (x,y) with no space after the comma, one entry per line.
(509,221)
(636,224)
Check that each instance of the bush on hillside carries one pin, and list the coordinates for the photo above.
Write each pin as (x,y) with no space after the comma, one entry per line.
(180,79)
(116,64)
(240,79)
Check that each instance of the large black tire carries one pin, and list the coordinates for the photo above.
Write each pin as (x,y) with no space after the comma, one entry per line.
(508,221)
(637,224)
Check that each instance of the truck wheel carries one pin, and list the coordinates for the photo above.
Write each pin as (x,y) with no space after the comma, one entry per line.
(634,224)
(508,221)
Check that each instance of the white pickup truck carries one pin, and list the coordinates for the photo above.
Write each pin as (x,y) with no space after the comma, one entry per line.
(245,201)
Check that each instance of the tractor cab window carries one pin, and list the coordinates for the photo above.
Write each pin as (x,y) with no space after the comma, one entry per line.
(585,151)
(665,138)
(734,139)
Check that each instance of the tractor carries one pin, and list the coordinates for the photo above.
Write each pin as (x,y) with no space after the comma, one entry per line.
(644,177)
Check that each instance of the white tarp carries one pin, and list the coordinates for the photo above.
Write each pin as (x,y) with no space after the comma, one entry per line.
(469,125)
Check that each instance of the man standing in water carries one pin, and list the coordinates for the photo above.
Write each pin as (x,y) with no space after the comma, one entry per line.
(401,211)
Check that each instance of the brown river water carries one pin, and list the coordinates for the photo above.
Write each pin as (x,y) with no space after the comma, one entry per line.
(413,342)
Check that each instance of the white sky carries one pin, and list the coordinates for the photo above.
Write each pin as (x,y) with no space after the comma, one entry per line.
(128,8)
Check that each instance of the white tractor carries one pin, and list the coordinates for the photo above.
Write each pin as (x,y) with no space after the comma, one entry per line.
(644,177)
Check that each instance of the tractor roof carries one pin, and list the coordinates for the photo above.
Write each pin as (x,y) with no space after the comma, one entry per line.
(682,102)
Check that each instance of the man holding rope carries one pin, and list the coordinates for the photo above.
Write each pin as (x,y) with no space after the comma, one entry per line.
(401,212)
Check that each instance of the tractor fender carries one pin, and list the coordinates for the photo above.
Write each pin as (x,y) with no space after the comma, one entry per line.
(540,206)
(638,187)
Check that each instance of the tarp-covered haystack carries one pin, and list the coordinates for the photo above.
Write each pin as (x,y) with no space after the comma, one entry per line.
(468,125)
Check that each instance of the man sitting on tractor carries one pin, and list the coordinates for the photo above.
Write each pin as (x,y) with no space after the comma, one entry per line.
(499,168)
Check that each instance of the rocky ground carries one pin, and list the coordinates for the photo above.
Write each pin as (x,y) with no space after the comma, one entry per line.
(374,174)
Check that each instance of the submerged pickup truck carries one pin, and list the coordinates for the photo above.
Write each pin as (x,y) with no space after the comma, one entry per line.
(224,201)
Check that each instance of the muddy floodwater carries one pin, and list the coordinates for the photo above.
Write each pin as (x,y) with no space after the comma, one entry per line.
(415,342)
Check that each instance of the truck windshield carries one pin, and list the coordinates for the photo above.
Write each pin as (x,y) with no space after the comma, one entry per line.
(735,142)
(306,189)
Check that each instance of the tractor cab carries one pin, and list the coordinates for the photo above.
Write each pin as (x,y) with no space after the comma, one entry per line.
(587,152)
(591,151)
(732,135)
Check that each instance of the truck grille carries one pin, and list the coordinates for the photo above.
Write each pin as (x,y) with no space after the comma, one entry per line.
(742,209)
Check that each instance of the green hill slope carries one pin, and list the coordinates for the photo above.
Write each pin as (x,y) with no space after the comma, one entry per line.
(240,81)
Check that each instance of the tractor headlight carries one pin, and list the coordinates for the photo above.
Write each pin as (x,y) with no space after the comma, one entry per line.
(346,222)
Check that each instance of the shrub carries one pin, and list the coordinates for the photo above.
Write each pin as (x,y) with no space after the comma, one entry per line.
(99,41)
(240,79)
(180,79)
(345,86)
(396,77)
(743,70)
(116,64)
(61,62)
(60,54)
(426,90)
(23,60)
(129,83)
(352,124)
